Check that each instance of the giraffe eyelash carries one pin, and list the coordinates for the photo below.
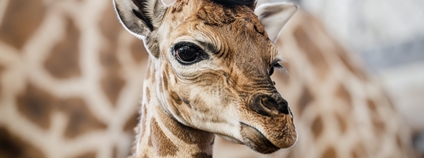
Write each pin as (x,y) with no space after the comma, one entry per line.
(280,67)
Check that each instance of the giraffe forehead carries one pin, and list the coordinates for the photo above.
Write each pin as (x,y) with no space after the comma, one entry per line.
(241,17)
(233,30)
(210,13)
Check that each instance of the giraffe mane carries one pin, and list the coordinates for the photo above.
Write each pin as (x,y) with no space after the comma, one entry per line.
(235,3)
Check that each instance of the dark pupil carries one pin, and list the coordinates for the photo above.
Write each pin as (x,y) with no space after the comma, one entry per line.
(187,53)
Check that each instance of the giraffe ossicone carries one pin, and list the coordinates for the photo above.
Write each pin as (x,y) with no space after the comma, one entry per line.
(209,73)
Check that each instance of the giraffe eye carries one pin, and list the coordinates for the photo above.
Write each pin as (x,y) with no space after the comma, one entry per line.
(188,53)
(275,65)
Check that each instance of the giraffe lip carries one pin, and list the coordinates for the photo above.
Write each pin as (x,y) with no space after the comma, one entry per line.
(256,140)
(231,139)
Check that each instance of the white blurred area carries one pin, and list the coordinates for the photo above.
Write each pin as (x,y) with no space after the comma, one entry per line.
(388,36)
(367,24)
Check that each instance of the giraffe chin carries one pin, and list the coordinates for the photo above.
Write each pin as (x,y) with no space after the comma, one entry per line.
(256,140)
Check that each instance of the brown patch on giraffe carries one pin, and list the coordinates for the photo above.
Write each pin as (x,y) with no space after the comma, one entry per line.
(342,123)
(138,52)
(371,105)
(305,99)
(81,120)
(90,154)
(36,105)
(317,127)
(112,85)
(167,148)
(379,126)
(329,153)
(343,94)
(312,52)
(63,61)
(201,155)
(358,151)
(149,142)
(160,88)
(175,98)
(188,135)
(21,21)
(12,146)
(110,27)
(165,80)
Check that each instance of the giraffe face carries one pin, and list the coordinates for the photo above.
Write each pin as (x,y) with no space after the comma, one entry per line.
(213,64)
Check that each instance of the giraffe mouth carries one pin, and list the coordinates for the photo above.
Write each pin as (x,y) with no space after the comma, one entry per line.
(256,140)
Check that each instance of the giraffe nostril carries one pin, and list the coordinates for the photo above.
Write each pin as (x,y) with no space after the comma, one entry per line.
(269,106)
(270,103)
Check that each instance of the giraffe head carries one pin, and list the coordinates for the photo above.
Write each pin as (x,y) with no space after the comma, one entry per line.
(212,64)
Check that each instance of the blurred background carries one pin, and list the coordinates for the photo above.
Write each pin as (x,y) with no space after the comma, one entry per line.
(71,76)
(388,36)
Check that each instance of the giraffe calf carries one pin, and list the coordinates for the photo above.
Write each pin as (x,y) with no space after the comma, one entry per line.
(209,74)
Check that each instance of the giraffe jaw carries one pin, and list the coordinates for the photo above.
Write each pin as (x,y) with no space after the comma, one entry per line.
(254,139)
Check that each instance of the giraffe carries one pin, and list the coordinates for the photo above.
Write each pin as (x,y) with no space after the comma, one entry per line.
(201,80)
(74,62)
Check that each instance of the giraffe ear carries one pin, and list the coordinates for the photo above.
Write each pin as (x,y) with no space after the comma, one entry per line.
(140,18)
(274,16)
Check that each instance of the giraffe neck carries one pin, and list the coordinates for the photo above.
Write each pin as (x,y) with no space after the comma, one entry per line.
(160,135)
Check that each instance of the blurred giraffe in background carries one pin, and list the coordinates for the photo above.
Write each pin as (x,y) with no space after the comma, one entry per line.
(71,79)
(65,89)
